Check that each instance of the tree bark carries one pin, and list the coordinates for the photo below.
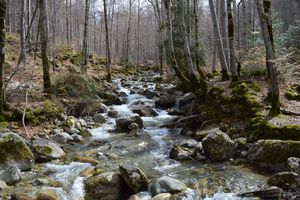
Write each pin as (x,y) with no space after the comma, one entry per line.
(233,66)
(22,33)
(43,26)
(108,56)
(270,56)
(2,53)
(84,60)
(219,40)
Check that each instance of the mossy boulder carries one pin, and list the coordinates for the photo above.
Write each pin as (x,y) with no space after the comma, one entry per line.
(218,146)
(273,154)
(46,150)
(278,128)
(49,195)
(105,186)
(14,151)
(85,159)
(133,176)
(286,180)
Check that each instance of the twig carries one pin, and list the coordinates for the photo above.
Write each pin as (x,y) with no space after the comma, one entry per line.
(24,114)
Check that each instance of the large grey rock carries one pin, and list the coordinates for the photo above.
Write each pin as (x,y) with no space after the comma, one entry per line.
(294,164)
(166,102)
(181,153)
(144,108)
(99,118)
(46,150)
(188,98)
(106,186)
(133,176)
(162,196)
(285,180)
(11,175)
(273,154)
(14,152)
(62,137)
(125,122)
(3,185)
(218,146)
(167,184)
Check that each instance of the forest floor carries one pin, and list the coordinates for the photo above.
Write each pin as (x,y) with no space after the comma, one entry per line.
(68,61)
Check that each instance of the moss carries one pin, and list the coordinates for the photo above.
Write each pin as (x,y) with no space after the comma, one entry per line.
(212,111)
(44,150)
(285,132)
(291,95)
(255,87)
(85,133)
(49,195)
(85,159)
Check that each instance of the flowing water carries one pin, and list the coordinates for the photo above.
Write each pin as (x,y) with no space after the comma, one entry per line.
(150,151)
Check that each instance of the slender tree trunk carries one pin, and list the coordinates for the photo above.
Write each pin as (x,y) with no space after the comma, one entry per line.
(197,36)
(223,28)
(128,34)
(84,60)
(22,33)
(270,55)
(7,21)
(2,53)
(194,82)
(214,60)
(67,23)
(219,40)
(43,26)
(233,66)
(108,57)
(171,53)
(70,22)
(28,21)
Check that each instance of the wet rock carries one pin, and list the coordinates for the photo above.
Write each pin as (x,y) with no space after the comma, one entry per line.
(133,176)
(62,137)
(285,180)
(14,152)
(77,138)
(82,122)
(162,196)
(46,150)
(167,184)
(294,164)
(270,193)
(181,154)
(99,118)
(188,98)
(166,102)
(143,109)
(21,196)
(87,172)
(56,131)
(85,159)
(124,123)
(85,133)
(187,194)
(112,113)
(218,146)
(263,152)
(105,186)
(241,144)
(72,131)
(200,135)
(11,175)
(3,185)
(47,196)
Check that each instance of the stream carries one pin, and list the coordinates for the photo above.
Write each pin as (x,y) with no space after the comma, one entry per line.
(150,150)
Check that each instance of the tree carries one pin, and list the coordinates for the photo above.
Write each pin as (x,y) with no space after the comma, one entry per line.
(108,56)
(84,60)
(219,41)
(2,54)
(22,33)
(128,33)
(266,29)
(43,26)
(233,66)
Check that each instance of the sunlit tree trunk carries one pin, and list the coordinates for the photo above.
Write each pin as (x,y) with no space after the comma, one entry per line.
(267,34)
(43,26)
(108,57)
(84,60)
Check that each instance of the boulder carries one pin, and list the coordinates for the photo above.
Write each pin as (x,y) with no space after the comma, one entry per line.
(14,152)
(200,135)
(84,108)
(112,113)
(218,146)
(166,102)
(99,118)
(285,180)
(11,175)
(62,137)
(145,108)
(49,195)
(294,164)
(162,196)
(273,154)
(167,184)
(188,98)
(181,153)
(46,150)
(133,176)
(124,123)
(105,186)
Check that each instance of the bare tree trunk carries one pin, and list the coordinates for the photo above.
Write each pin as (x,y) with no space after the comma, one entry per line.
(128,33)
(270,54)
(219,40)
(84,60)
(214,60)
(22,33)
(194,82)
(108,57)
(197,36)
(223,28)
(7,21)
(233,66)
(67,23)
(28,20)
(180,75)
(2,53)
(43,26)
